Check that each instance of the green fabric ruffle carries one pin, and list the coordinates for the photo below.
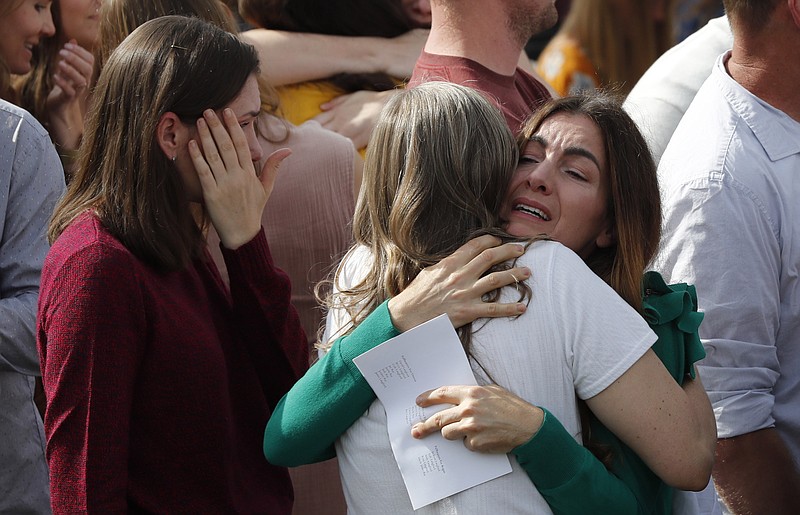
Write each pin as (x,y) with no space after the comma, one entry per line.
(671,312)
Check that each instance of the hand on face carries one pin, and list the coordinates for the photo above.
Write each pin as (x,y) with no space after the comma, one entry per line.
(233,193)
(488,418)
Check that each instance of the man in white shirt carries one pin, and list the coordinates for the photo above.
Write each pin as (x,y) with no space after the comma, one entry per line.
(731,183)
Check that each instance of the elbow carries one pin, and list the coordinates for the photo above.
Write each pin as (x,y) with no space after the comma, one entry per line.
(276,449)
(694,472)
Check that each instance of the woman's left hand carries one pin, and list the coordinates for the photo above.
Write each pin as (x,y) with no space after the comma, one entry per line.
(233,193)
(489,418)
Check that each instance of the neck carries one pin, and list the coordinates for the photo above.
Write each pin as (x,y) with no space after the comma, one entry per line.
(475,30)
(765,69)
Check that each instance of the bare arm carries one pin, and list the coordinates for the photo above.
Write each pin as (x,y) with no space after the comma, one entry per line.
(290,57)
(754,473)
(670,428)
(354,115)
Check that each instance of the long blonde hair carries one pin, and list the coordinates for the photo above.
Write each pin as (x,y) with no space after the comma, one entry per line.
(620,50)
(436,171)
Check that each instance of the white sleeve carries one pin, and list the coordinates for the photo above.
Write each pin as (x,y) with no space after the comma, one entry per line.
(719,237)
(351,270)
(604,335)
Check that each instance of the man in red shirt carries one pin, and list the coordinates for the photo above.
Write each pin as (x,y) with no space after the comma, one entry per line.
(478,44)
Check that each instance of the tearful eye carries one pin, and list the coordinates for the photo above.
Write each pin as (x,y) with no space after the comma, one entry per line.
(576,175)
(528,160)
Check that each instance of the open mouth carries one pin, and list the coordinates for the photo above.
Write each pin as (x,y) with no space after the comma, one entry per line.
(538,213)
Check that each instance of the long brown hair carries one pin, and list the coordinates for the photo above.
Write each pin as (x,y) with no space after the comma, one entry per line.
(170,64)
(436,172)
(634,207)
(634,203)
(621,51)
(120,17)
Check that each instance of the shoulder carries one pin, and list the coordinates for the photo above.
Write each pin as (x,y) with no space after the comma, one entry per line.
(311,135)
(20,123)
(354,266)
(86,248)
(553,256)
(26,145)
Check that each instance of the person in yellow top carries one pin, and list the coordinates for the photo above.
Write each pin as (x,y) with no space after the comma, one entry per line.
(361,92)
(606,43)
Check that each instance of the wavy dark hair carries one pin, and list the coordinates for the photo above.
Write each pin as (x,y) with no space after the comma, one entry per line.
(169,64)
(634,202)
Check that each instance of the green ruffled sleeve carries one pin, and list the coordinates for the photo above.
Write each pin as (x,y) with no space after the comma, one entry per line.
(671,312)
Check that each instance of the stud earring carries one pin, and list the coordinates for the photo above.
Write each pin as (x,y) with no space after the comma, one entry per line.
(174,158)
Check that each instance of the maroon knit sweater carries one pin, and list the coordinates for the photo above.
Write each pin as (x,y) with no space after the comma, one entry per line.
(159,385)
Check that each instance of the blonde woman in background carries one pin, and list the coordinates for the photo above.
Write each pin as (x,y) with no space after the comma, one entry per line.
(606,43)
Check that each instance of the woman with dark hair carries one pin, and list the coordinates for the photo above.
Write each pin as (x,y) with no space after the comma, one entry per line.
(307,218)
(159,380)
(584,179)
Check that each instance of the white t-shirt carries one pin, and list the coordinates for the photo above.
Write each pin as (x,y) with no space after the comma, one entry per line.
(577,336)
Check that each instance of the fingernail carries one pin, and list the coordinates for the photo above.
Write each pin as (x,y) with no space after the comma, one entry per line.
(228,111)
(208,113)
(69,46)
(521,308)
(63,53)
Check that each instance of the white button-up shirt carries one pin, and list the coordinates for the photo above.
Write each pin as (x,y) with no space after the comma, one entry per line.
(730,179)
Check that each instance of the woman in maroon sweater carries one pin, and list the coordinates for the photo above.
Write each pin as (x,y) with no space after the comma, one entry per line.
(159,380)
